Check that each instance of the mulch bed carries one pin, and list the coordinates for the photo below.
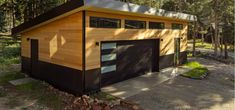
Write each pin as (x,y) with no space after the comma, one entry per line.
(85,102)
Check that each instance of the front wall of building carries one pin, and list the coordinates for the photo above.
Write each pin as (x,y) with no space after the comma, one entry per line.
(166,35)
(59,53)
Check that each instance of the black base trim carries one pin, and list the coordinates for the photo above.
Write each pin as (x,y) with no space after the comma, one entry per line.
(168,60)
(26,65)
(61,77)
(92,80)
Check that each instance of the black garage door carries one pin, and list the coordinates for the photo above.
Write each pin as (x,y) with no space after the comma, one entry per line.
(121,60)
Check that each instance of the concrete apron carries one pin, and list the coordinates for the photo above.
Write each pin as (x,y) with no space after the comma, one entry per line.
(143,83)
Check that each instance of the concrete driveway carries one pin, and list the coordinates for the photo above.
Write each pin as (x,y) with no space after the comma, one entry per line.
(178,93)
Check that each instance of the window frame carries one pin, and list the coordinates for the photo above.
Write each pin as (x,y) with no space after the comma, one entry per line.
(181,26)
(144,27)
(99,25)
(152,22)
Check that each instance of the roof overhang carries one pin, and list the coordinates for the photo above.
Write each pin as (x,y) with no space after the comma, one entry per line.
(74,6)
(134,8)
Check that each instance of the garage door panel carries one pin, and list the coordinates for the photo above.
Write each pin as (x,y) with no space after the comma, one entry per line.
(134,58)
(131,59)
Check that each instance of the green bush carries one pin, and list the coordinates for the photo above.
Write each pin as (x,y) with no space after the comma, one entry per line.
(10,54)
(11,51)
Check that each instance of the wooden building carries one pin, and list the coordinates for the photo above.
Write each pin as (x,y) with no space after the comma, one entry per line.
(83,45)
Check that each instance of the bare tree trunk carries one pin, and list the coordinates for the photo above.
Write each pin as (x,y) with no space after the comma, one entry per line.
(202,38)
(216,32)
(221,46)
(212,39)
(194,38)
(225,49)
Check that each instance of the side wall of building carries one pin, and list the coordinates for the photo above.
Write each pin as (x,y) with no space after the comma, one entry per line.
(59,52)
(166,35)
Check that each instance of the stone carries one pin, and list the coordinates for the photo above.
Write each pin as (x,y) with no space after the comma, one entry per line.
(21,81)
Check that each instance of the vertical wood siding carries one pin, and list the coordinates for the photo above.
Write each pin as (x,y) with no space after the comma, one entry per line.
(94,35)
(60,42)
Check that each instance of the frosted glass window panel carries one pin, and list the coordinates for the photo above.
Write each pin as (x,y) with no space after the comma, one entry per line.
(106,69)
(109,57)
(109,46)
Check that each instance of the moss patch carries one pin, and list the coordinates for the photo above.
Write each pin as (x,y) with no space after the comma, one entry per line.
(197,72)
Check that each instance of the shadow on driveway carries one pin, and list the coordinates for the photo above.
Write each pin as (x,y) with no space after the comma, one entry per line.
(216,92)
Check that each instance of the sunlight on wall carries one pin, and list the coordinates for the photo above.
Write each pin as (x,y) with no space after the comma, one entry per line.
(63,40)
(53,46)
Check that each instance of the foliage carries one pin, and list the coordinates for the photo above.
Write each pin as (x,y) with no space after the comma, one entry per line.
(15,12)
(9,51)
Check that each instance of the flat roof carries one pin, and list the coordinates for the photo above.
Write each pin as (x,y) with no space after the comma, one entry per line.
(113,5)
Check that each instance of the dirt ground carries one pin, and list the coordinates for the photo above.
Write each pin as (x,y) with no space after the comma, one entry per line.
(216,92)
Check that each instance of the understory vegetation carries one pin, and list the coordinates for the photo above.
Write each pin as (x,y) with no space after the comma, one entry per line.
(198,71)
(9,52)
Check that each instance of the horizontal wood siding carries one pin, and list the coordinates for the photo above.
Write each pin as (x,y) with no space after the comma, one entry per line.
(94,35)
(60,42)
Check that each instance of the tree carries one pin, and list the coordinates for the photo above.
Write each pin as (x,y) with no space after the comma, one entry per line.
(15,12)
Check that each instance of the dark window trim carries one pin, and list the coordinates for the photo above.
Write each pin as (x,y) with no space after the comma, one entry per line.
(145,24)
(156,22)
(181,26)
(119,25)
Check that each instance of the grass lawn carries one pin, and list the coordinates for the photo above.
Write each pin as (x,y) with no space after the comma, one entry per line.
(206,45)
(198,71)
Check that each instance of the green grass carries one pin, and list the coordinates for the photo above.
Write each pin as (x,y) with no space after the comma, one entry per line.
(38,90)
(10,76)
(193,64)
(196,73)
(197,70)
(204,45)
(210,46)
(103,96)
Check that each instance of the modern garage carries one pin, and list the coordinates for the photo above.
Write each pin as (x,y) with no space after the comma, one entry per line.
(84,45)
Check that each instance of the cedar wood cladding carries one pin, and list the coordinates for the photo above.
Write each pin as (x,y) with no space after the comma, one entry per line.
(59,39)
(60,42)
(94,35)
(68,43)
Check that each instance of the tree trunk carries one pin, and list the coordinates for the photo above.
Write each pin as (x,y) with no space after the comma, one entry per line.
(194,38)
(202,39)
(216,32)
(212,39)
(225,50)
(221,46)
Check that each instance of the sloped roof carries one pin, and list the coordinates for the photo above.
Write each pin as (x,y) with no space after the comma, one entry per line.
(102,4)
